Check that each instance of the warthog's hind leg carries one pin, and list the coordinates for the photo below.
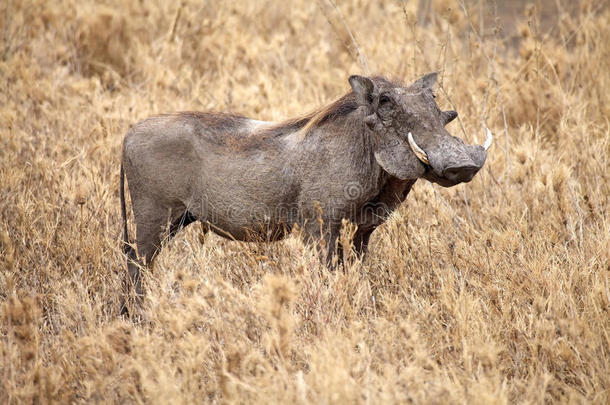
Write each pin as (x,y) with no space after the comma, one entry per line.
(133,288)
(151,230)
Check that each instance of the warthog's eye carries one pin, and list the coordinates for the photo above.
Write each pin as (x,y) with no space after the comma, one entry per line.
(384,100)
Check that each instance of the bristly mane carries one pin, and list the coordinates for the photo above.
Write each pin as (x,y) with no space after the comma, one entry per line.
(338,108)
(304,124)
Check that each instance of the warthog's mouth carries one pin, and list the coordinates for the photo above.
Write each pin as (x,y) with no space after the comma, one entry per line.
(449,175)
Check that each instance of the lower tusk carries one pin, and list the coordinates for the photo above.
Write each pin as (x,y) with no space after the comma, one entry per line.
(488,140)
(419,152)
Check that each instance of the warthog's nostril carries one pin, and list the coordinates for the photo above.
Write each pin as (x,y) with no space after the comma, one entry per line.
(460,174)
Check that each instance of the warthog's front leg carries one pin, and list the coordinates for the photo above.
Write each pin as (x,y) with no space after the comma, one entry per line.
(324,237)
(361,242)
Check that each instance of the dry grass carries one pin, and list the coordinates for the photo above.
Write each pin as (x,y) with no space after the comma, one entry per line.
(497,291)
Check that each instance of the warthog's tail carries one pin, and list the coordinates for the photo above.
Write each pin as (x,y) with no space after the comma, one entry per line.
(126,247)
(132,269)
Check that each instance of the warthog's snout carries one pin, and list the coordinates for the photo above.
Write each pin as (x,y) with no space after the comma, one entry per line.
(449,161)
(461,174)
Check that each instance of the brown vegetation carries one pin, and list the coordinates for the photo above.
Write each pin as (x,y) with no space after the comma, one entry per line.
(497,291)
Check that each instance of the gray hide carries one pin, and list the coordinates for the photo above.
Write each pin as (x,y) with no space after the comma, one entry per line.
(244,178)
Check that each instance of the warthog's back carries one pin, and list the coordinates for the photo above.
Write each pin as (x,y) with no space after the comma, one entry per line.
(213,166)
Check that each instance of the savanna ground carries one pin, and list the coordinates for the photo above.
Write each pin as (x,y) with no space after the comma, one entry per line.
(495,291)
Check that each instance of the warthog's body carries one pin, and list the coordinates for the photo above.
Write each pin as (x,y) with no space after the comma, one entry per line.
(242,177)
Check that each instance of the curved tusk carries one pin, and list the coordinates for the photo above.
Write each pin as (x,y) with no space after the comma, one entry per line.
(488,140)
(419,152)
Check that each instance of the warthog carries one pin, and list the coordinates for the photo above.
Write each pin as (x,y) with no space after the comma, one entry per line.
(354,159)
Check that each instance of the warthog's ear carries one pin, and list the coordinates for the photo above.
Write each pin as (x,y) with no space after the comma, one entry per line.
(427,81)
(364,90)
(448,116)
(396,157)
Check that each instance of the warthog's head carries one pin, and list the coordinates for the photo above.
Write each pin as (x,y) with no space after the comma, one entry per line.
(409,135)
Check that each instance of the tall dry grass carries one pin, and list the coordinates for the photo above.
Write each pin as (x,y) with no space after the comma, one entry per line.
(496,291)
